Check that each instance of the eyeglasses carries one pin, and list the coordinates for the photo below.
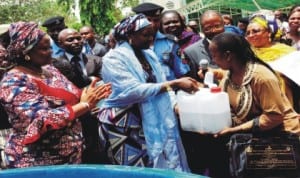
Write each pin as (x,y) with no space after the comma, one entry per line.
(213,27)
(254,32)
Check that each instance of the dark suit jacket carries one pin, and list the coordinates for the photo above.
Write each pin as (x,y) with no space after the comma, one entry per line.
(194,53)
(92,63)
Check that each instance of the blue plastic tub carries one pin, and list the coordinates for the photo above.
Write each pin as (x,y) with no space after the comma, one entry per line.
(92,171)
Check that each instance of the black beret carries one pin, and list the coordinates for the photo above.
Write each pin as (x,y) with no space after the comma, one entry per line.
(149,9)
(53,21)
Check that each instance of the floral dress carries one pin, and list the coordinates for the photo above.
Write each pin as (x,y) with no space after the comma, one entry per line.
(44,128)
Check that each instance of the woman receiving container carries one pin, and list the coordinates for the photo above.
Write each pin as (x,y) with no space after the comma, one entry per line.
(137,78)
(256,100)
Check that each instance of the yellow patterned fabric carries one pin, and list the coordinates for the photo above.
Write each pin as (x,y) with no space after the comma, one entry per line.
(273,52)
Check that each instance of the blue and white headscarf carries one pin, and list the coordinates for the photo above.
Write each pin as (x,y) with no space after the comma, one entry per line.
(130,25)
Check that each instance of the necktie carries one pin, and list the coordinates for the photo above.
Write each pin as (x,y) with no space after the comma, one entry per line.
(81,80)
(76,65)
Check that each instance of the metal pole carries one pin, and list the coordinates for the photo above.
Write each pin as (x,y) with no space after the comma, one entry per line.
(256,4)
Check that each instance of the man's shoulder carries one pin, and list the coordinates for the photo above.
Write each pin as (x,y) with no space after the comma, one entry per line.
(91,57)
(195,46)
(99,49)
(99,45)
(62,64)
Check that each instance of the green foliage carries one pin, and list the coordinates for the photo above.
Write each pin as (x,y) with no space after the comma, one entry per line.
(75,25)
(188,1)
(65,3)
(30,10)
(129,3)
(100,14)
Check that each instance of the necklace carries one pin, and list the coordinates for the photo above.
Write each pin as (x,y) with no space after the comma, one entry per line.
(246,76)
(234,86)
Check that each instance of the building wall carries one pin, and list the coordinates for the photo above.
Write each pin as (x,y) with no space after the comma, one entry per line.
(167,4)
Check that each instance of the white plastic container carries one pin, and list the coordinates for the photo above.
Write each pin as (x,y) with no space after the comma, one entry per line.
(206,111)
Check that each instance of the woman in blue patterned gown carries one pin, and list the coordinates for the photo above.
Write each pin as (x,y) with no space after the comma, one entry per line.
(151,140)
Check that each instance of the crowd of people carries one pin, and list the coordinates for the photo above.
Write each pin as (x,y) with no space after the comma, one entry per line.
(62,90)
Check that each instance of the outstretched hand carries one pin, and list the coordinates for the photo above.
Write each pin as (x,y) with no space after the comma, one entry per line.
(226,131)
(187,84)
(93,94)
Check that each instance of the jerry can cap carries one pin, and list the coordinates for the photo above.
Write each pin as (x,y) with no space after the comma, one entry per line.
(215,89)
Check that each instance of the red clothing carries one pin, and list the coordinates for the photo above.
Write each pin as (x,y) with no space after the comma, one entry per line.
(45,130)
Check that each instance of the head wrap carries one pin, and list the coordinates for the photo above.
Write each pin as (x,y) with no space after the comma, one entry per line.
(261,21)
(130,25)
(269,17)
(24,36)
(268,22)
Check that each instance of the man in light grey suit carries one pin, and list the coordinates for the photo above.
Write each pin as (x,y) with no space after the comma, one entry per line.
(211,24)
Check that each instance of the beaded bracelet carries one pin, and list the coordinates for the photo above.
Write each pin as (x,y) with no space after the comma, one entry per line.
(169,88)
(86,105)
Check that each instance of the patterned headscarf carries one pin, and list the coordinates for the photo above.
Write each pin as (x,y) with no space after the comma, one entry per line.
(129,25)
(24,36)
(267,22)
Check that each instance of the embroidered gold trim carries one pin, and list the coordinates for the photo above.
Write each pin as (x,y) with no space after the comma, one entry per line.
(245,92)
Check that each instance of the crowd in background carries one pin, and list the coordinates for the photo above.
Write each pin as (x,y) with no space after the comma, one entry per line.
(62,90)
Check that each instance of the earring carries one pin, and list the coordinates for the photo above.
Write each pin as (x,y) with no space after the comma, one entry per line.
(130,41)
(27,58)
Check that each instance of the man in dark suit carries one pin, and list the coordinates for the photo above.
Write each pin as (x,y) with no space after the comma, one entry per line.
(211,24)
(79,68)
(75,65)
(88,33)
